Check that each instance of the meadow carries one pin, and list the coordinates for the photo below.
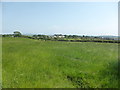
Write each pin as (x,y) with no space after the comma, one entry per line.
(28,63)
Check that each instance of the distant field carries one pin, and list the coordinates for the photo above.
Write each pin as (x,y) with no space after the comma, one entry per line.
(28,63)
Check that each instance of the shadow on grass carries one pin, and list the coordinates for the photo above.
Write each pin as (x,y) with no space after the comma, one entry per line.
(106,78)
(78,81)
(109,76)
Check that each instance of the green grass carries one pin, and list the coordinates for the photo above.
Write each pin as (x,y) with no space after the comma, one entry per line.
(0,62)
(31,63)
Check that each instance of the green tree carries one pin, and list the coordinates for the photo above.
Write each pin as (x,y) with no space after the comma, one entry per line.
(17,34)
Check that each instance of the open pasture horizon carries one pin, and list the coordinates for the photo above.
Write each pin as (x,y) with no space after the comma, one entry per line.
(28,63)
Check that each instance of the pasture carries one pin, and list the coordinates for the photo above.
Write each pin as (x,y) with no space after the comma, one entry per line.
(28,63)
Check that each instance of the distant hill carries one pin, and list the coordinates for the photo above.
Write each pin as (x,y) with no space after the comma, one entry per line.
(110,36)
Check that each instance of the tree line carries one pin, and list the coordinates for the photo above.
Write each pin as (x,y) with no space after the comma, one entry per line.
(60,37)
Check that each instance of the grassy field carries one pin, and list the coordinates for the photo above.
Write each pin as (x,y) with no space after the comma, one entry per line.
(0,62)
(28,63)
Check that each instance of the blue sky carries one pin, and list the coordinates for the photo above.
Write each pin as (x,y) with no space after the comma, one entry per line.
(80,18)
(0,17)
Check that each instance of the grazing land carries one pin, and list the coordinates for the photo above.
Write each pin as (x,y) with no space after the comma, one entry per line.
(30,63)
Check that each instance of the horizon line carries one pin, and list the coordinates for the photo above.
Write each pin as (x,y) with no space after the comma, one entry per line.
(60,33)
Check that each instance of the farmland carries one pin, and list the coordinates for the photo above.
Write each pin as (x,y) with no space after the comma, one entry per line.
(30,63)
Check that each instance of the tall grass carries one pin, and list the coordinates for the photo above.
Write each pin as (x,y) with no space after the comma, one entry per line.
(53,64)
(0,62)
